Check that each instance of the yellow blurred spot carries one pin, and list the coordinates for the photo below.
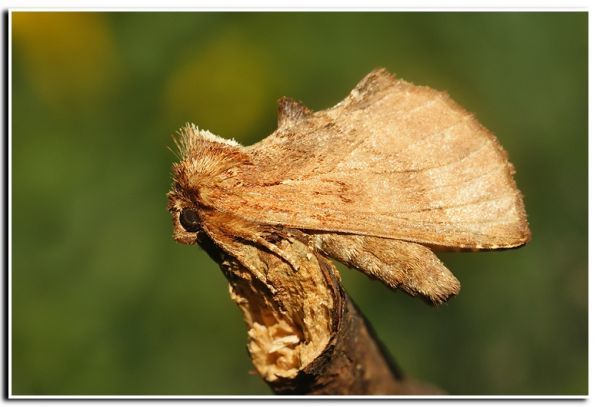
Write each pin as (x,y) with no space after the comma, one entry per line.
(222,88)
(68,57)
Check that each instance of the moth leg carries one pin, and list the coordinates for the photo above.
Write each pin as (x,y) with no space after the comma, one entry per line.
(276,250)
(410,266)
(247,256)
(256,237)
(241,230)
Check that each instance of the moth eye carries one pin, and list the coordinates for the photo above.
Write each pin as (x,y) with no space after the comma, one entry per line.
(190,220)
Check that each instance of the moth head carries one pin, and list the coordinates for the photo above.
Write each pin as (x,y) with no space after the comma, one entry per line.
(208,164)
(186,218)
(189,219)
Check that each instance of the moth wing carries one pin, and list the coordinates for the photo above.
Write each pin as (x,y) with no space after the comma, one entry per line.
(399,264)
(392,160)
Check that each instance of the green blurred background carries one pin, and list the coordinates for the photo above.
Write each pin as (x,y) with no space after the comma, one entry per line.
(104,302)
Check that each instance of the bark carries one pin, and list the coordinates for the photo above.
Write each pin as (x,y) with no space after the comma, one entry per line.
(298,345)
(354,362)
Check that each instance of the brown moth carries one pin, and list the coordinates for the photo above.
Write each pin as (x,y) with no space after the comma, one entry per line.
(376,182)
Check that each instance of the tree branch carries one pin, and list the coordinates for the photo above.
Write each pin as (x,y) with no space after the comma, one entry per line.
(305,334)
(354,362)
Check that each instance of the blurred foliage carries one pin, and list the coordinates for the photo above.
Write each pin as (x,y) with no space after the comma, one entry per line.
(104,302)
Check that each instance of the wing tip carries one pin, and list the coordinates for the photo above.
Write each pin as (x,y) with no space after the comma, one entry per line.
(375,81)
(290,111)
(441,296)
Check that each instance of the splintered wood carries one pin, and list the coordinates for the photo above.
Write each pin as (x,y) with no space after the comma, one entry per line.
(288,310)
(378,182)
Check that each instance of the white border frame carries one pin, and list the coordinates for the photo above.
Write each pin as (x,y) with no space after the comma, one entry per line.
(318,6)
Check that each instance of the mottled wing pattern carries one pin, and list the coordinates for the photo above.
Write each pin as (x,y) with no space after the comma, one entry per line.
(398,264)
(391,160)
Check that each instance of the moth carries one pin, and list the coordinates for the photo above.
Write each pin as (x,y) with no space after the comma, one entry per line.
(378,182)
